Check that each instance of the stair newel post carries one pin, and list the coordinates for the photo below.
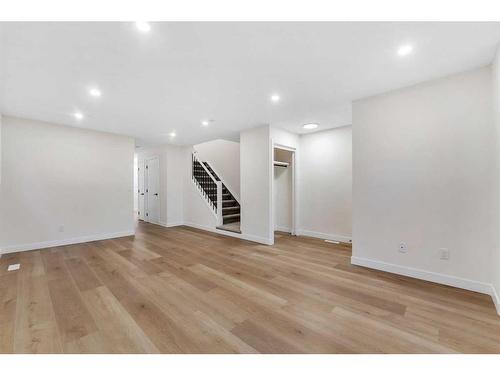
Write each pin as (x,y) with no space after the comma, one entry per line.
(219,203)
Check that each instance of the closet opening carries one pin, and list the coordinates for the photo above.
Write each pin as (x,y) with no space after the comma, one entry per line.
(284,189)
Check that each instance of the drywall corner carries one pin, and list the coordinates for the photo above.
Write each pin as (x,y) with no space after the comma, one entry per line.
(495,191)
(256,175)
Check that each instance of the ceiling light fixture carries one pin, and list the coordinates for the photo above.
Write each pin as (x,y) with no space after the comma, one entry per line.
(275,98)
(310,126)
(143,27)
(95,92)
(405,50)
(172,134)
(78,115)
(205,122)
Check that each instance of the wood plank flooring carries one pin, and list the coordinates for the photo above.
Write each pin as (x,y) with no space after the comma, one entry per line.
(181,290)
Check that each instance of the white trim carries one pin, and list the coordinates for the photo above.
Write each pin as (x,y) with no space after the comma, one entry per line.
(324,236)
(68,241)
(295,193)
(475,286)
(171,224)
(270,187)
(284,147)
(146,188)
(495,298)
(295,202)
(195,154)
(248,237)
(220,219)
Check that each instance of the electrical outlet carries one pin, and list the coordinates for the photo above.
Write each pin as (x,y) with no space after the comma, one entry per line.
(61,228)
(444,253)
(13,267)
(402,247)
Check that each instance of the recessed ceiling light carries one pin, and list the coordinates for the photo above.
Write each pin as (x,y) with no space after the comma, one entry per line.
(405,50)
(78,115)
(205,122)
(143,27)
(310,126)
(172,134)
(275,98)
(95,92)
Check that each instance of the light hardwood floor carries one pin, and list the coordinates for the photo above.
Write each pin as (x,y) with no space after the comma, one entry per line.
(181,290)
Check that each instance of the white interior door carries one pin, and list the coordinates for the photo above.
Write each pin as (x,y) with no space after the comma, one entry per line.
(141,189)
(153,190)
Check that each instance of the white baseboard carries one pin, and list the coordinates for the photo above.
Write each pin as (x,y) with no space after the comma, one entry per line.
(64,242)
(262,240)
(242,236)
(324,236)
(171,224)
(475,286)
(496,299)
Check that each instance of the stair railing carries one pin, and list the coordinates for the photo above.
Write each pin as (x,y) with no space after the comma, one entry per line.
(220,219)
(218,206)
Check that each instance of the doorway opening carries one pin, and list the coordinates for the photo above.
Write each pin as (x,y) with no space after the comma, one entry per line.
(284,189)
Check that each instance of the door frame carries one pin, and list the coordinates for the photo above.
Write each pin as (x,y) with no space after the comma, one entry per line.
(141,168)
(146,182)
(293,165)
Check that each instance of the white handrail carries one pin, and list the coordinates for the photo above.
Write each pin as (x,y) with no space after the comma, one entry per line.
(204,167)
(220,219)
(218,206)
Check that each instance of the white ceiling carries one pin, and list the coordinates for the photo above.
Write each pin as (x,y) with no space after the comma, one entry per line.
(181,73)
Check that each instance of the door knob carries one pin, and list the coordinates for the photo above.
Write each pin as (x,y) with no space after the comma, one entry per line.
(156,194)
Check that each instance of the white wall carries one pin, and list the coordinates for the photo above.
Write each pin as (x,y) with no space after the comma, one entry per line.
(323,181)
(0,148)
(256,184)
(495,260)
(175,185)
(325,184)
(171,181)
(224,158)
(56,176)
(422,162)
(281,137)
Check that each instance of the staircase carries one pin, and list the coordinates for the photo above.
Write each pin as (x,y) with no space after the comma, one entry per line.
(225,206)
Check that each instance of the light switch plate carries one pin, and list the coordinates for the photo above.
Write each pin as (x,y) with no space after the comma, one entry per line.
(444,253)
